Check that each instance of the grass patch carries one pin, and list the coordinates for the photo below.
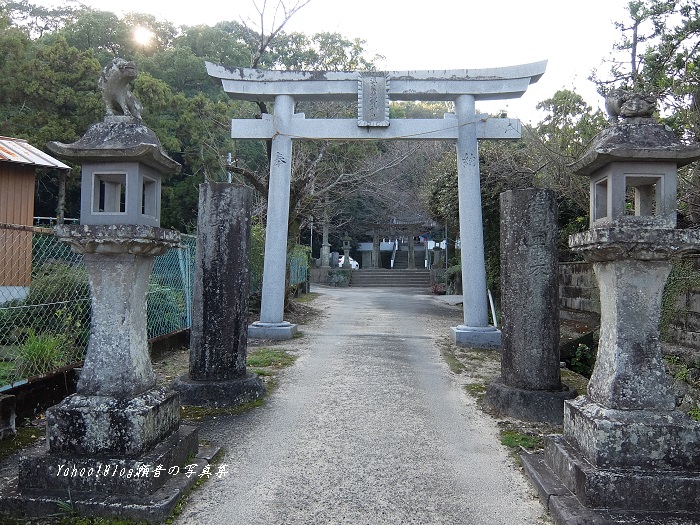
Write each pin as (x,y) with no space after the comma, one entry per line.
(26,436)
(476,354)
(262,372)
(455,364)
(574,380)
(516,440)
(198,414)
(476,390)
(269,358)
(307,297)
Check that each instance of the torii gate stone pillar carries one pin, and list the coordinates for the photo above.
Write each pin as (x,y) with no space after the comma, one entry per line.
(373,92)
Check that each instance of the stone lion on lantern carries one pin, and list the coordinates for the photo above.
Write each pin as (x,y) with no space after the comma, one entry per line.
(114,84)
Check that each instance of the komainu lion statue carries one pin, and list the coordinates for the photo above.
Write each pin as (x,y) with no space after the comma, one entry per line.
(117,95)
(621,103)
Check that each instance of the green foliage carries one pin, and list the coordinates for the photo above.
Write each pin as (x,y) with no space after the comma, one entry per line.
(58,303)
(257,254)
(416,109)
(583,360)
(694,413)
(560,138)
(658,53)
(440,191)
(66,508)
(453,278)
(321,51)
(7,371)
(216,44)
(165,309)
(52,94)
(681,279)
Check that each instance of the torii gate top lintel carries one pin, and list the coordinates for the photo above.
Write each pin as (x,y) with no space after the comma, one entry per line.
(430,85)
(373,91)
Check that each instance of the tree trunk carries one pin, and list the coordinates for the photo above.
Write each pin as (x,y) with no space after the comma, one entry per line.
(61,204)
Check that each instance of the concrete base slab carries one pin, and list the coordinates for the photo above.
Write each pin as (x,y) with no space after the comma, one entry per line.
(42,470)
(91,425)
(529,405)
(485,337)
(566,509)
(641,439)
(219,393)
(284,330)
(116,492)
(622,488)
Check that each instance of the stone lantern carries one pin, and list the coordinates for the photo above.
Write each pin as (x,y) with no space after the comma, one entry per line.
(119,418)
(625,448)
(346,250)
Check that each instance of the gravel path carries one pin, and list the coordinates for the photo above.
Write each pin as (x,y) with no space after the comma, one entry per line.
(366,428)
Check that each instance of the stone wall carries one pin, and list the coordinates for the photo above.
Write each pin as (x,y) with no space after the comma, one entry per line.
(579,300)
(684,328)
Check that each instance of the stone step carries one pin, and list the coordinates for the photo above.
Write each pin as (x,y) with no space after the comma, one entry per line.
(380,277)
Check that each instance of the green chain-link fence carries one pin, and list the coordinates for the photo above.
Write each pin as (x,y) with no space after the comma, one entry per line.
(45,298)
(298,262)
(45,301)
(170,290)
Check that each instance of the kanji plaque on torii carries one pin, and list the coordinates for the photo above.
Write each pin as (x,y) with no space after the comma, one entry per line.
(373,92)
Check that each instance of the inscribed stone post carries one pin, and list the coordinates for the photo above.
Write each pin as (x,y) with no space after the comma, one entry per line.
(530,386)
(529,290)
(219,333)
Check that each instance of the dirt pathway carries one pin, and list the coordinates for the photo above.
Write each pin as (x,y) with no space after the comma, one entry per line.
(368,427)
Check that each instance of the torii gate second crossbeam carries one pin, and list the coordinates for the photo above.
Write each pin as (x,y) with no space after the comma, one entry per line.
(374,91)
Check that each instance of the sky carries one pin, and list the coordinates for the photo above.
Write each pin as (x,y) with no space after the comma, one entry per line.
(575,37)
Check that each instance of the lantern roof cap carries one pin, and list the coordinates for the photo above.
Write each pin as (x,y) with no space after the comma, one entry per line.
(633,140)
(117,139)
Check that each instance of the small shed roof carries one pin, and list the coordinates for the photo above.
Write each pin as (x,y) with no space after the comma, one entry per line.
(21,152)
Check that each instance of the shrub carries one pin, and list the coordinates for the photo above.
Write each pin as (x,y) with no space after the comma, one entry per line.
(583,360)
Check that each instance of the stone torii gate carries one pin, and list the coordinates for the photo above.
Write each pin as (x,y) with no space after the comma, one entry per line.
(373,91)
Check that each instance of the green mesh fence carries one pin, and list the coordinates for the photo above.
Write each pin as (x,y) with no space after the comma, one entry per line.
(298,269)
(44,304)
(45,301)
(170,290)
